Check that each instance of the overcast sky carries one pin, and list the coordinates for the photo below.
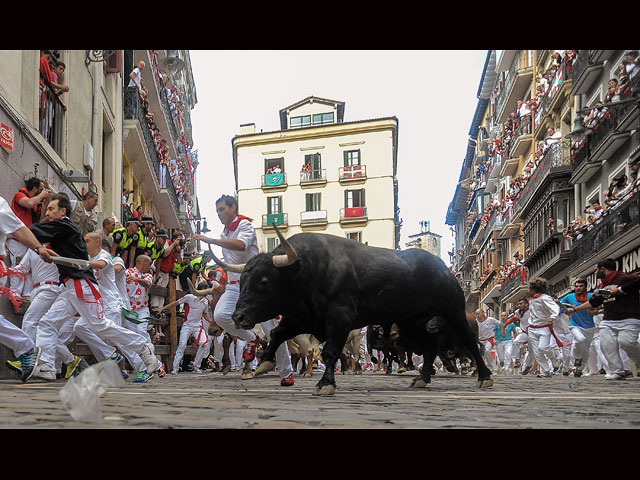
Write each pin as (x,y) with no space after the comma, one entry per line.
(432,93)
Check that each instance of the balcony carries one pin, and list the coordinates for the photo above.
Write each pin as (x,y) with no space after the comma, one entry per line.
(514,287)
(280,219)
(611,131)
(490,289)
(313,220)
(550,257)
(555,164)
(556,93)
(274,181)
(521,140)
(51,115)
(153,176)
(352,174)
(313,178)
(353,216)
(618,227)
(585,71)
(517,82)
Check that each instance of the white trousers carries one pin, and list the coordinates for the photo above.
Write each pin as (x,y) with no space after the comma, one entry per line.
(504,351)
(91,310)
(163,281)
(489,360)
(541,343)
(14,337)
(224,309)
(582,338)
(616,335)
(140,328)
(42,298)
(16,251)
(200,334)
(283,357)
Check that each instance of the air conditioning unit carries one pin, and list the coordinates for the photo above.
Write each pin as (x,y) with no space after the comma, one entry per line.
(87,156)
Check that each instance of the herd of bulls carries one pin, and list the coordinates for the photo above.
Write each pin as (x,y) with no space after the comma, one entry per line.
(329,286)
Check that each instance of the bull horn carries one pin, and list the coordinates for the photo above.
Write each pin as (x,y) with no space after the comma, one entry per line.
(289,257)
(199,293)
(229,267)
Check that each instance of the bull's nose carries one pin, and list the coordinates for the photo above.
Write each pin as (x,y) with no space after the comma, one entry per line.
(238,319)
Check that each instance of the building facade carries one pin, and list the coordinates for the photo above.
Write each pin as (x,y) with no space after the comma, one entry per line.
(319,173)
(83,139)
(539,156)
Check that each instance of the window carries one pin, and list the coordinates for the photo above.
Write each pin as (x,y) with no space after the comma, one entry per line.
(272,242)
(354,198)
(274,205)
(313,202)
(351,158)
(299,122)
(357,236)
(322,118)
(273,163)
(313,160)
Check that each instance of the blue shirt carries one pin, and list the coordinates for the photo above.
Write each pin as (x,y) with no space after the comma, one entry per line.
(581,319)
(508,332)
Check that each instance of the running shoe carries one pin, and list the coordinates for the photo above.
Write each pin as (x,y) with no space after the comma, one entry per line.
(28,363)
(116,357)
(249,353)
(142,377)
(71,367)
(287,381)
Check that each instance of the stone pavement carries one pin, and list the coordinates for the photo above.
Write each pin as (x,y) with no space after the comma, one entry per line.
(368,401)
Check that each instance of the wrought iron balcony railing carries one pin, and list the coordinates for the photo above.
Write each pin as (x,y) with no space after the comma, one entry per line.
(51,115)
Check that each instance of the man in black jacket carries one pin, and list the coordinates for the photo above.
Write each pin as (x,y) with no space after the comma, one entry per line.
(79,294)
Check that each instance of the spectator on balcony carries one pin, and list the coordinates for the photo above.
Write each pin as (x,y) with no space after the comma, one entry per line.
(632,65)
(125,199)
(139,212)
(46,59)
(135,77)
(612,93)
(616,192)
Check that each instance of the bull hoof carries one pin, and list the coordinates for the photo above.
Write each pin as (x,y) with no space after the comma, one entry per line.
(485,383)
(419,383)
(324,390)
(306,375)
(265,367)
(226,369)
(358,372)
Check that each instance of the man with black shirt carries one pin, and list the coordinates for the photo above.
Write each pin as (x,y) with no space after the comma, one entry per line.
(620,325)
(79,294)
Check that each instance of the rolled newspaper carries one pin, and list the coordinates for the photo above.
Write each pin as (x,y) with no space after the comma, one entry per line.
(76,263)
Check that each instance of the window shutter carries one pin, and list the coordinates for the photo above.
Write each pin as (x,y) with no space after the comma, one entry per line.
(308,202)
(114,63)
(344,154)
(346,199)
(279,204)
(362,202)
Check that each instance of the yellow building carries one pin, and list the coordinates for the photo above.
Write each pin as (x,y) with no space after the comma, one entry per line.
(319,173)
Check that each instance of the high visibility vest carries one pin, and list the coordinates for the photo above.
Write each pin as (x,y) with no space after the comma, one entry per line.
(155,252)
(178,268)
(195,263)
(142,240)
(125,242)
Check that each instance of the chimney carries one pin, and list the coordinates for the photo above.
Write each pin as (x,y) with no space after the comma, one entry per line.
(247,128)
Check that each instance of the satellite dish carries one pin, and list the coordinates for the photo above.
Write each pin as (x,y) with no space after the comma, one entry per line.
(172,64)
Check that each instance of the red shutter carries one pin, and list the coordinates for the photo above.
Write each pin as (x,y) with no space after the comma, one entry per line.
(114,62)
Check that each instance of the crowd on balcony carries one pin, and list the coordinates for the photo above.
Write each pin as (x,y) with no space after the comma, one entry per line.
(181,175)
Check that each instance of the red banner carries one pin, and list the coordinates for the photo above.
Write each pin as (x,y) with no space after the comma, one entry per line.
(354,212)
(6,137)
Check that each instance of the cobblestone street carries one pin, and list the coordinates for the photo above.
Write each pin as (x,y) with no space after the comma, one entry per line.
(369,401)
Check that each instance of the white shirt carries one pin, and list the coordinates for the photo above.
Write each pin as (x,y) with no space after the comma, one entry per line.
(135,81)
(121,280)
(247,235)
(107,282)
(524,320)
(542,309)
(485,328)
(9,223)
(41,271)
(197,306)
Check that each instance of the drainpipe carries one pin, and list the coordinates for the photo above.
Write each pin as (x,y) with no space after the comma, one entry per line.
(95,133)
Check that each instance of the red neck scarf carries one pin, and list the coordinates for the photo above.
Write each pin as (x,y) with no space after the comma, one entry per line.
(233,225)
(535,296)
(607,279)
(581,298)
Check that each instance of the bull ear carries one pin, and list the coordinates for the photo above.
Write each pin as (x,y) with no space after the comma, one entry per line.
(290,257)
(229,267)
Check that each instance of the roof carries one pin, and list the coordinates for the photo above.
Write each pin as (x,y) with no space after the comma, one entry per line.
(309,99)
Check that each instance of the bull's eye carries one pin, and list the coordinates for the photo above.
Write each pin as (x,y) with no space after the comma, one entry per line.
(263,283)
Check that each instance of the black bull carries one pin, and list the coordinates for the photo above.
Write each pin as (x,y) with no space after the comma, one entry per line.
(327,286)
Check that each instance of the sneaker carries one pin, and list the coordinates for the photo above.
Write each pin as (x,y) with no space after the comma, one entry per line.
(116,357)
(43,372)
(526,370)
(15,365)
(161,371)
(577,372)
(544,375)
(125,374)
(71,367)
(28,363)
(614,376)
(174,372)
(149,359)
(628,373)
(249,353)
(196,370)
(287,381)
(142,377)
